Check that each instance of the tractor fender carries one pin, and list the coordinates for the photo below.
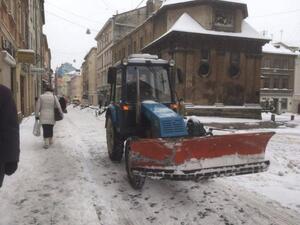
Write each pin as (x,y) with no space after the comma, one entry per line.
(111,112)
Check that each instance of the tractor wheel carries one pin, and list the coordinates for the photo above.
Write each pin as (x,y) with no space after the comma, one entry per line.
(136,181)
(115,143)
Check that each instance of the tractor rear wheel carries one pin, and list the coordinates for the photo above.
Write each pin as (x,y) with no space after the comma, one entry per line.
(115,143)
(136,181)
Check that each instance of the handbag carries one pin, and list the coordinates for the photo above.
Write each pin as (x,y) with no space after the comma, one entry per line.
(57,115)
(37,128)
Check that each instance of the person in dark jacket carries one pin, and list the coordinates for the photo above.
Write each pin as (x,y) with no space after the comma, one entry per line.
(63,104)
(9,134)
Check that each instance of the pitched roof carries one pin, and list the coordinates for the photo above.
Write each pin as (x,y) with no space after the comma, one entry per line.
(187,24)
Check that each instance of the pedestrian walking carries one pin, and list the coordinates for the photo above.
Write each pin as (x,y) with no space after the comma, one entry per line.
(9,134)
(63,104)
(45,113)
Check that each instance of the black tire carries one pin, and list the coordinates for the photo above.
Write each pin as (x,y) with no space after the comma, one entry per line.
(136,181)
(115,144)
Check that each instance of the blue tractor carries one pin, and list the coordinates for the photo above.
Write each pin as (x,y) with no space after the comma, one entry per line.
(142,120)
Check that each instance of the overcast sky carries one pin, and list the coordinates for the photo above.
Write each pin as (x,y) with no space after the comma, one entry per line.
(68,20)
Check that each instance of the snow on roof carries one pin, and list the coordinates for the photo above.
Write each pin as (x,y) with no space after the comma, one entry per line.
(172,2)
(188,25)
(269,48)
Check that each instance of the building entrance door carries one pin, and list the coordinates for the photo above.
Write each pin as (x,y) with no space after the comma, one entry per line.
(298,108)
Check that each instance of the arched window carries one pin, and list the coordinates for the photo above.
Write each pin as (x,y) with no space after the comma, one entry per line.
(204,67)
(234,68)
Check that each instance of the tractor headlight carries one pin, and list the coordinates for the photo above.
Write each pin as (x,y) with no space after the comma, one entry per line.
(125,61)
(172,62)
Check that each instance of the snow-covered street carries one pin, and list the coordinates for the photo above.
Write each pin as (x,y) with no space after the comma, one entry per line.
(74,183)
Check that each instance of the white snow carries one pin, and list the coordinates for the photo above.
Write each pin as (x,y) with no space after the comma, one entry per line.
(283,152)
(75,183)
(187,24)
(270,48)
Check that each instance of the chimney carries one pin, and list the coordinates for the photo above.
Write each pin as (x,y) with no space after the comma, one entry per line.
(152,6)
(149,8)
(157,4)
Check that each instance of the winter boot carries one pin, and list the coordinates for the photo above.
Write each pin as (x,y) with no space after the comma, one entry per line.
(46,143)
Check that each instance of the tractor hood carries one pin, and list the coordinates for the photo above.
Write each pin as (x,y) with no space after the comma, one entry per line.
(165,122)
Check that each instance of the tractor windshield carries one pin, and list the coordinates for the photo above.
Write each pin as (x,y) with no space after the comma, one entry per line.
(153,81)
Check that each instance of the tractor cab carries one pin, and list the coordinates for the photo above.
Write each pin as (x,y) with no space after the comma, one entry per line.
(137,80)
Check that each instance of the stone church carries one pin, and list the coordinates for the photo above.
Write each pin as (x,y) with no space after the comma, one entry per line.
(217,53)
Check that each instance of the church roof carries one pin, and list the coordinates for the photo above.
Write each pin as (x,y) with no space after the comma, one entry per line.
(186,24)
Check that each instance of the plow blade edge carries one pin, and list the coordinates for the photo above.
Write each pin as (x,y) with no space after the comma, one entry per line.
(200,157)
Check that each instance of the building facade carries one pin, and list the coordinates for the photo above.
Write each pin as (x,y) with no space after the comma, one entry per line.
(114,30)
(76,88)
(277,78)
(48,72)
(85,84)
(21,24)
(217,54)
(296,96)
(90,95)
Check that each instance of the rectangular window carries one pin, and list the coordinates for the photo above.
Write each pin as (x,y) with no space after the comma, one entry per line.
(284,103)
(266,83)
(285,63)
(129,49)
(267,63)
(123,52)
(285,83)
(224,20)
(275,83)
(134,47)
(141,42)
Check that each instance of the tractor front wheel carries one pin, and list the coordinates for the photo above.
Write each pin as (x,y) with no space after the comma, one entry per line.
(115,143)
(136,181)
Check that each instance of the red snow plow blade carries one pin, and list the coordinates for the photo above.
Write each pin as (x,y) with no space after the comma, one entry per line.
(200,157)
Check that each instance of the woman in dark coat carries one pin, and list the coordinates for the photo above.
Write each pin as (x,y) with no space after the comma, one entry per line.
(63,104)
(9,134)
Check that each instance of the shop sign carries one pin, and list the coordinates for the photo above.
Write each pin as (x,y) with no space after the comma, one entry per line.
(26,56)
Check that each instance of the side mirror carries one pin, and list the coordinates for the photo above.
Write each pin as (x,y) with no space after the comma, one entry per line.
(111,75)
(179,75)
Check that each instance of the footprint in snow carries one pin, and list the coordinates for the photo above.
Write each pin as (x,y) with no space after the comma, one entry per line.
(202,214)
(151,219)
(152,205)
(19,203)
